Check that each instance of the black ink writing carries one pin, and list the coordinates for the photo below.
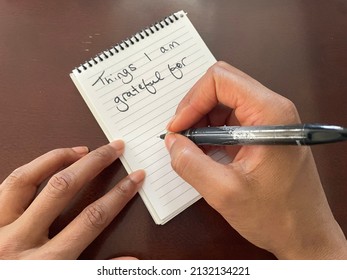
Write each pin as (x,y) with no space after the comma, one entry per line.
(147,56)
(150,86)
(169,47)
(175,70)
(121,100)
(124,75)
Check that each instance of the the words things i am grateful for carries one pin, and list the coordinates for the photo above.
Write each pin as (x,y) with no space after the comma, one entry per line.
(127,76)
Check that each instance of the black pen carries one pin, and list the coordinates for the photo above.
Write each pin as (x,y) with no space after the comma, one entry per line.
(300,134)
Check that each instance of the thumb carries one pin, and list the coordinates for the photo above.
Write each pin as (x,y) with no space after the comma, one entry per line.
(195,167)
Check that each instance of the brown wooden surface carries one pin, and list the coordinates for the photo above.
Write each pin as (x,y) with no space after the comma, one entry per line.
(297,48)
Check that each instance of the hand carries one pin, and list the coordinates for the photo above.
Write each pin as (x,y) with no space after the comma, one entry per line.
(272,195)
(25,220)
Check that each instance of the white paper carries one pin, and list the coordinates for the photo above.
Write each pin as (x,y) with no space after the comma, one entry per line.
(134,93)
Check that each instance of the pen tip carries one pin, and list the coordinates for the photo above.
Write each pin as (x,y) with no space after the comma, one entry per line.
(162,136)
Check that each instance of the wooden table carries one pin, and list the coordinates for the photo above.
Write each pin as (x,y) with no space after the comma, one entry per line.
(297,48)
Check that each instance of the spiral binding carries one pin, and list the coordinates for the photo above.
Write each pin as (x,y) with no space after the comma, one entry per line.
(124,44)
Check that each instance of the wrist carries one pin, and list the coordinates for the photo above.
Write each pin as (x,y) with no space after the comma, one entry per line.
(329,243)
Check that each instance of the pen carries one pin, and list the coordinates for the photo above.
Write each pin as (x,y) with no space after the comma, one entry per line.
(300,134)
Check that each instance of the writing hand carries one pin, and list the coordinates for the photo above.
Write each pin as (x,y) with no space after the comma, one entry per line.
(25,220)
(272,195)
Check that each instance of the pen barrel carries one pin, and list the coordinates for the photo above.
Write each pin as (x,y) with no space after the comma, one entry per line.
(307,134)
(246,135)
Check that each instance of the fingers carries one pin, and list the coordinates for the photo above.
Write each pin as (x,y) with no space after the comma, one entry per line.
(94,219)
(253,103)
(208,177)
(63,186)
(19,189)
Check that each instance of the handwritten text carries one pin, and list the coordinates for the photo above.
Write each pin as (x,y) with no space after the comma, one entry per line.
(149,86)
(125,75)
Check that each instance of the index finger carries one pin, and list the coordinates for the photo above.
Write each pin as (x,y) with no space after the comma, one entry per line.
(19,189)
(63,186)
(72,240)
(253,103)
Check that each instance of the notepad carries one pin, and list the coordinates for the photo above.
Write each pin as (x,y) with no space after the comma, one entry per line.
(133,90)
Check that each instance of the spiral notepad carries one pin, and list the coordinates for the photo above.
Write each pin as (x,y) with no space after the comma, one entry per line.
(133,90)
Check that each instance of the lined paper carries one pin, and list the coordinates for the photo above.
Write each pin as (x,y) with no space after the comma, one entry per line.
(134,93)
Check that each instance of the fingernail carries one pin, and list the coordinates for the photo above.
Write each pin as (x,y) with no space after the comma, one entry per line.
(82,150)
(170,139)
(117,145)
(138,176)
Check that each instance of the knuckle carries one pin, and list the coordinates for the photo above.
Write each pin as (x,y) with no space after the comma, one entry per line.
(124,188)
(288,108)
(7,252)
(221,68)
(219,64)
(60,153)
(59,184)
(95,216)
(17,177)
(102,153)
(10,245)
(217,68)
(181,162)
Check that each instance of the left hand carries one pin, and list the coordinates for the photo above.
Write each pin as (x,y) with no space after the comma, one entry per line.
(25,220)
